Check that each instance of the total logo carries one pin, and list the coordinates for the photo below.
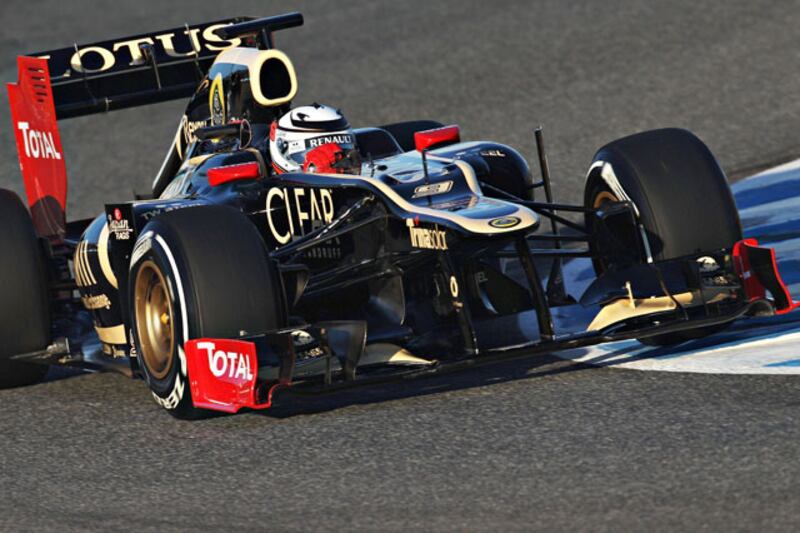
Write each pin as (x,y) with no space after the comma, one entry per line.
(230,365)
(38,144)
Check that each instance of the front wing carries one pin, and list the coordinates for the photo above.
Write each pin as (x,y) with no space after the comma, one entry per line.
(230,374)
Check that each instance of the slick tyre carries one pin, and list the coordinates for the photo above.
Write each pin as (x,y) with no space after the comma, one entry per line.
(24,307)
(682,196)
(197,272)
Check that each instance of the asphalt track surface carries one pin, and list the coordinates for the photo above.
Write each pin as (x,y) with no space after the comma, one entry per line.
(519,446)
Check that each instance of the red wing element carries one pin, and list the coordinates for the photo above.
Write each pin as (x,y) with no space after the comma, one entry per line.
(41,158)
(242,171)
(753,289)
(222,373)
(758,269)
(437,137)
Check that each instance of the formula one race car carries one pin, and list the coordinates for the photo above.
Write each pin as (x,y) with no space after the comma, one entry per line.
(280,248)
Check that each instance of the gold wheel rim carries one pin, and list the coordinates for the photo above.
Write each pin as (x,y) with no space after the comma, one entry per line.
(604,197)
(155,326)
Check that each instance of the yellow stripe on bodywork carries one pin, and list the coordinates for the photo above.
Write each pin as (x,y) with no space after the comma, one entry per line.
(112,335)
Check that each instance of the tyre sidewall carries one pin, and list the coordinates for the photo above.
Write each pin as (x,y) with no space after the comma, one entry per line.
(25,313)
(25,322)
(172,391)
(681,194)
(221,284)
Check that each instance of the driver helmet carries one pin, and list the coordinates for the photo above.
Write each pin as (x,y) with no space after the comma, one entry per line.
(313,138)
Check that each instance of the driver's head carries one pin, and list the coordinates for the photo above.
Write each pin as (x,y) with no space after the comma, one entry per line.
(314,138)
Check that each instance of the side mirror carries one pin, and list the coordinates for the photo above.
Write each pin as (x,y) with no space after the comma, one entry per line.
(435,138)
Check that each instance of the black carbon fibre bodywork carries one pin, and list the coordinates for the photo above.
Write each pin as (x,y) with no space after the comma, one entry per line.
(434,252)
(350,239)
(368,271)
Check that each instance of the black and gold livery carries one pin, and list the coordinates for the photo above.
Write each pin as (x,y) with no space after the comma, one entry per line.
(435,256)
(99,287)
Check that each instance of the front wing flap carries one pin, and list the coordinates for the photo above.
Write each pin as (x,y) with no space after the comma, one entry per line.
(230,374)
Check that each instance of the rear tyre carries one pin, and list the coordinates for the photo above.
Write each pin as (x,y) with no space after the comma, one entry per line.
(682,196)
(197,272)
(24,307)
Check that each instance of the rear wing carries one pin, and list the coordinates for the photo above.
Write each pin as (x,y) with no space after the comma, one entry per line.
(104,76)
(136,70)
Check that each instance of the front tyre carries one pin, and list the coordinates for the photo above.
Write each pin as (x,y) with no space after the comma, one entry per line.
(197,272)
(681,195)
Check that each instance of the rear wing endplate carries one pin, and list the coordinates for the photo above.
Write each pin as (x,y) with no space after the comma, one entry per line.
(41,158)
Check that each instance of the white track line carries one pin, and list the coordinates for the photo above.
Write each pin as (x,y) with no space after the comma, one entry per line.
(751,346)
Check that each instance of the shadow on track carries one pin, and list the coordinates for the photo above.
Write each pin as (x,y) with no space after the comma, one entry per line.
(290,404)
